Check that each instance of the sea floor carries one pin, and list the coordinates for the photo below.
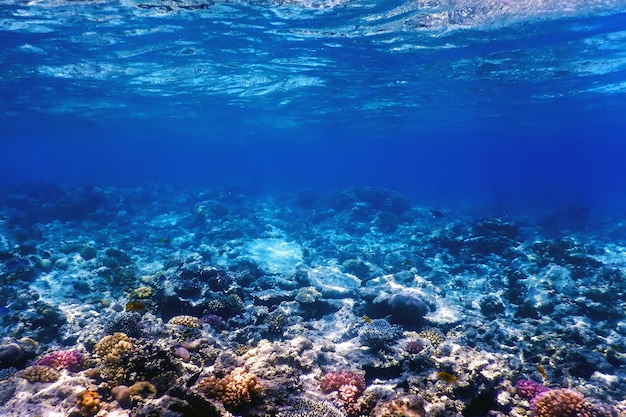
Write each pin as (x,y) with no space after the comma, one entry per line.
(155,301)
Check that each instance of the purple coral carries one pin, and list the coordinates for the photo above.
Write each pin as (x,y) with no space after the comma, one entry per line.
(72,360)
(529,389)
(214,321)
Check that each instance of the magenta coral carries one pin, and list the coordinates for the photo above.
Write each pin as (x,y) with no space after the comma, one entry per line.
(72,360)
(529,389)
(332,381)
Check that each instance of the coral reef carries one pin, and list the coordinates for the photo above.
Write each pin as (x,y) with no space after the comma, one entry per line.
(270,315)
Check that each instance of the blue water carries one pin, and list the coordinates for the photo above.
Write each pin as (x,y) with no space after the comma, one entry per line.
(470,103)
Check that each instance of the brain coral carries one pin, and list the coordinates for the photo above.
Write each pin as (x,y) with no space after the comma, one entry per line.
(234,390)
(561,403)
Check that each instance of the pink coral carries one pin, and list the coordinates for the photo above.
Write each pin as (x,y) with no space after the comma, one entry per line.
(529,389)
(72,360)
(347,387)
(561,403)
(332,381)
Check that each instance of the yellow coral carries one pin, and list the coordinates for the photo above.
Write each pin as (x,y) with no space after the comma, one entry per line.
(187,321)
(110,348)
(38,373)
(434,336)
(142,292)
(234,390)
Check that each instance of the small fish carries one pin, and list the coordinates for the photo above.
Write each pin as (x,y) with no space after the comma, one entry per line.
(193,379)
(542,371)
(367,319)
(447,377)
(164,240)
(135,306)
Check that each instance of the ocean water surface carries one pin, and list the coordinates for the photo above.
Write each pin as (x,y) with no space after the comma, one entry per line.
(301,208)
(448,100)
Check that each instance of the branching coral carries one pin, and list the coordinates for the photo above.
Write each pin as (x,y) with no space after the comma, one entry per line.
(529,389)
(561,403)
(72,360)
(110,348)
(233,390)
(332,381)
(346,386)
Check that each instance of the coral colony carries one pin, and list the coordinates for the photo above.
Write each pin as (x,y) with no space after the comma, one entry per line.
(353,304)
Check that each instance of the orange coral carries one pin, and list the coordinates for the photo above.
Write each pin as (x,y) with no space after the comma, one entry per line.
(89,402)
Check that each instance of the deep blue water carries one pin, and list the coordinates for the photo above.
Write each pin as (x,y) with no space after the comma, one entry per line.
(454,103)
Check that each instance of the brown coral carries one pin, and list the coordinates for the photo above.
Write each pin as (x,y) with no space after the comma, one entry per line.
(143,389)
(187,321)
(38,373)
(234,390)
(111,348)
(406,406)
